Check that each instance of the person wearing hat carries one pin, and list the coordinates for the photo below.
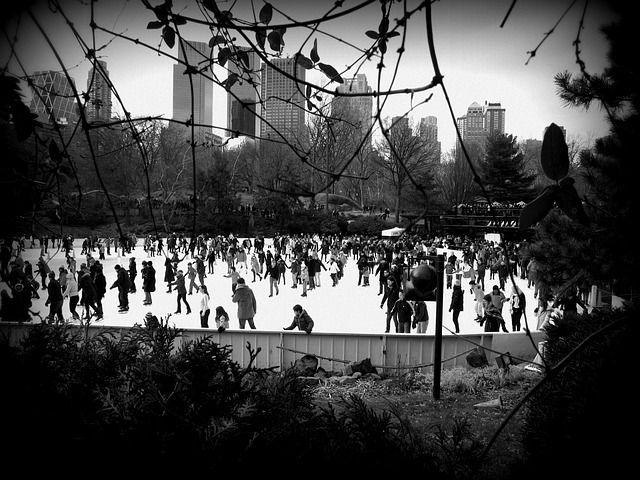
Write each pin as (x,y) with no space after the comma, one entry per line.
(151,321)
(456,303)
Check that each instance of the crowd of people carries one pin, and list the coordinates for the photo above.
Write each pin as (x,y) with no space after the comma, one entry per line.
(301,259)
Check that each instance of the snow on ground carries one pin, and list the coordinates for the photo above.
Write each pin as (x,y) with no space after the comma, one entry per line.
(346,308)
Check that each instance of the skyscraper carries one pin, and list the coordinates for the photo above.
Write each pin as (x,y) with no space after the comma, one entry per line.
(283,109)
(481,121)
(196,53)
(358,108)
(98,108)
(242,100)
(53,99)
(429,132)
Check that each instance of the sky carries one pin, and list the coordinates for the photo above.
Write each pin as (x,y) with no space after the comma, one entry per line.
(480,60)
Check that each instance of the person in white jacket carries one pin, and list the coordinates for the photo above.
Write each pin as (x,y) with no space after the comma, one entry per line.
(73,294)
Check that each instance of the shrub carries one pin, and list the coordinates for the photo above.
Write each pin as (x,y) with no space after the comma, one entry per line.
(579,419)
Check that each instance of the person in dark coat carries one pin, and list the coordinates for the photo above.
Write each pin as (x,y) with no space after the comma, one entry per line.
(123,284)
(403,312)
(391,295)
(301,320)
(100,284)
(169,273)
(181,288)
(148,282)
(54,300)
(456,303)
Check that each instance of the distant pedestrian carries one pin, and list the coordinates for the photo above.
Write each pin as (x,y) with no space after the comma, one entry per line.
(255,267)
(234,276)
(273,272)
(247,305)
(148,282)
(54,300)
(420,317)
(403,313)
(123,284)
(73,294)
(133,274)
(181,289)
(391,295)
(456,303)
(191,275)
(92,292)
(169,273)
(478,296)
(205,310)
(517,304)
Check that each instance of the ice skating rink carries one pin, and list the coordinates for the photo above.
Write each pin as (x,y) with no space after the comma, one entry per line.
(346,308)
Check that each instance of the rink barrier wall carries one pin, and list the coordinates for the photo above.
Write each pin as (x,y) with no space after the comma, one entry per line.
(390,354)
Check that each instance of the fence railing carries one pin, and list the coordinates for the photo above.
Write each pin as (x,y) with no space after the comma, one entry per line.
(391,354)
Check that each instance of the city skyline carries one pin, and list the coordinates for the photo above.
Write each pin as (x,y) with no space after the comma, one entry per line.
(480,61)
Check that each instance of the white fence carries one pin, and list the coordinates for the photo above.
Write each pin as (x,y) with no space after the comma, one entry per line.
(391,354)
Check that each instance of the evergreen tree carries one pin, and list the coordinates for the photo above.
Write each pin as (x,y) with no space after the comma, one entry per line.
(610,172)
(504,171)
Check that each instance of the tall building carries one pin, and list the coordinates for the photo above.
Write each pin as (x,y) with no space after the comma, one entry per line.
(53,99)
(283,110)
(494,118)
(360,108)
(98,108)
(481,121)
(429,131)
(196,53)
(242,99)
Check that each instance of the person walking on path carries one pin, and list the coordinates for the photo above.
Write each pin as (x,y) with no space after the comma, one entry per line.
(247,305)
(181,289)
(456,303)
(54,300)
(420,317)
(205,310)
(301,320)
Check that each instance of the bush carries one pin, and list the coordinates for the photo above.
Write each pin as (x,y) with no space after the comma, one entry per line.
(579,419)
(135,397)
